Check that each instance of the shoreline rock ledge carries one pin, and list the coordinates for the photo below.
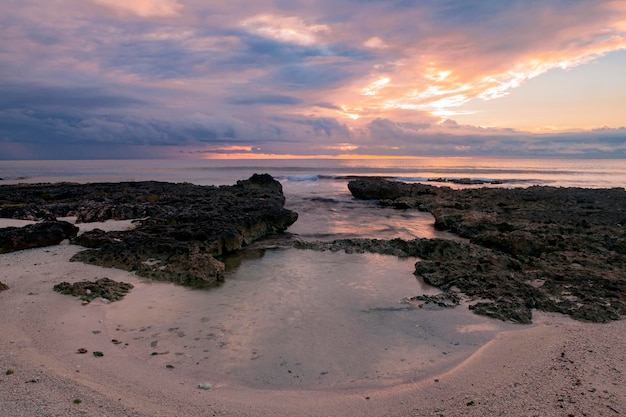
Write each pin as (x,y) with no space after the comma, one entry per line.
(181,230)
(554,249)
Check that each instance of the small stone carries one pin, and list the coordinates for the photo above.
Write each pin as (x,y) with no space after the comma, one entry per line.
(98,354)
(82,350)
(10,372)
(169,366)
(85,302)
(115,341)
(205,386)
(77,401)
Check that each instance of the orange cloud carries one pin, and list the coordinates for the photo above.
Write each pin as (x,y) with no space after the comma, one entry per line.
(447,70)
(144,8)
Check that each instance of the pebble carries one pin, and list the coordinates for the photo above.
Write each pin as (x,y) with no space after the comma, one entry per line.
(205,386)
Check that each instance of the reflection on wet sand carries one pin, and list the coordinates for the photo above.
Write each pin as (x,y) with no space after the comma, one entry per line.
(295,319)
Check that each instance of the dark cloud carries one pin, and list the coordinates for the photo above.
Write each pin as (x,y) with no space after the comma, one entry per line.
(261,51)
(36,96)
(385,129)
(310,76)
(269,99)
(159,59)
(391,4)
(450,138)
(327,127)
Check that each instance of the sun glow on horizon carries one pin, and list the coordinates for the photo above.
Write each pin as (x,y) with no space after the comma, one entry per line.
(250,156)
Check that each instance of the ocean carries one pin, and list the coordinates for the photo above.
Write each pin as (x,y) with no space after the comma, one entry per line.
(297,319)
(317,188)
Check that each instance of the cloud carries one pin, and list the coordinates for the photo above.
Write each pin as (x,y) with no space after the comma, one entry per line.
(324,76)
(144,8)
(330,106)
(310,75)
(287,29)
(269,99)
(167,58)
(37,96)
(321,126)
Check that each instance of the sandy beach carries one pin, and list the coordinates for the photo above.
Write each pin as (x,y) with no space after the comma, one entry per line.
(558,367)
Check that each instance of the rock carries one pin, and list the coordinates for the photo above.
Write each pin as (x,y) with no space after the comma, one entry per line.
(35,235)
(443,300)
(205,386)
(184,228)
(3,287)
(87,291)
(375,188)
(571,240)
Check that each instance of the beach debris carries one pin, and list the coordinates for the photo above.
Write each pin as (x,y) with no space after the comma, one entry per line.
(82,350)
(87,291)
(204,386)
(98,354)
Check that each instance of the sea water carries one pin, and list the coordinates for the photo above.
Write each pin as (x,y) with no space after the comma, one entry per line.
(288,318)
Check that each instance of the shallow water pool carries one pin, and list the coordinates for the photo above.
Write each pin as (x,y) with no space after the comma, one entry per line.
(298,319)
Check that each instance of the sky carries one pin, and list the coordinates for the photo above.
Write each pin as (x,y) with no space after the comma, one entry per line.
(312,78)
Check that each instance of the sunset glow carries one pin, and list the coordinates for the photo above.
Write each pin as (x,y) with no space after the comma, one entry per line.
(408,78)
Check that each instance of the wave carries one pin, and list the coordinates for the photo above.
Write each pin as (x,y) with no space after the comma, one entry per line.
(413,179)
(303,178)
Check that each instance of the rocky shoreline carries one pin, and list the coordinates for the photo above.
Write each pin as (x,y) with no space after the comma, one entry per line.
(546,248)
(181,228)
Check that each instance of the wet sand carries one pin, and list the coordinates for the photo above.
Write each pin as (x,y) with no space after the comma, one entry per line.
(557,367)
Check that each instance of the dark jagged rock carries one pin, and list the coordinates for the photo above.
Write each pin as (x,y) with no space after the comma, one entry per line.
(101,288)
(443,300)
(548,248)
(181,227)
(465,181)
(3,287)
(35,235)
